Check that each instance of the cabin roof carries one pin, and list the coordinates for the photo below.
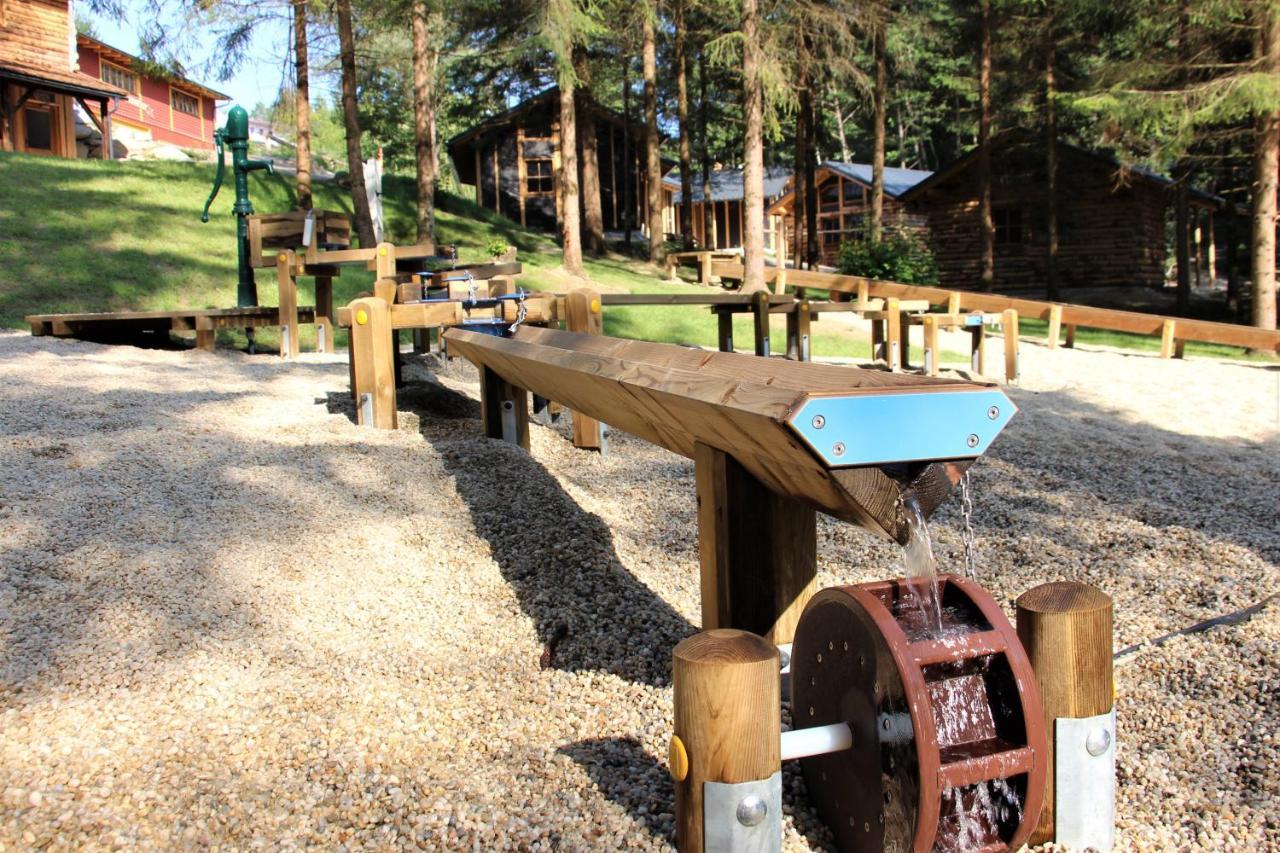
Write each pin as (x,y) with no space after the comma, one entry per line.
(726,184)
(147,69)
(58,80)
(896,181)
(1022,136)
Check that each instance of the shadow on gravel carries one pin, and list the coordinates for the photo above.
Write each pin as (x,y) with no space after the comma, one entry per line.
(630,777)
(590,612)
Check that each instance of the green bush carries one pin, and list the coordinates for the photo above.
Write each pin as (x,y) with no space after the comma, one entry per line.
(897,257)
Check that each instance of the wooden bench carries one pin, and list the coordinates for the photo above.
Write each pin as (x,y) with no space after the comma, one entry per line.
(975,324)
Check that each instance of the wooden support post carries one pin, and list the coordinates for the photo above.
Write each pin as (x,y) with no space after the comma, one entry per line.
(505,409)
(780,253)
(978,349)
(384,260)
(864,292)
(760,316)
(206,335)
(1166,338)
(373,363)
(798,340)
(931,351)
(421,340)
(583,314)
(1179,348)
(672,262)
(1071,336)
(324,313)
(757,549)
(704,268)
(724,322)
(877,340)
(893,333)
(501,286)
(953,302)
(1010,324)
(1055,325)
(727,726)
(286,264)
(1065,628)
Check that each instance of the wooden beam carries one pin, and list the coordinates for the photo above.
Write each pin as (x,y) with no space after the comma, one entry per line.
(1055,325)
(583,314)
(798,335)
(286,262)
(373,364)
(1010,326)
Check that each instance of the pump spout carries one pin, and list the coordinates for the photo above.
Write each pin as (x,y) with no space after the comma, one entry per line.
(217,177)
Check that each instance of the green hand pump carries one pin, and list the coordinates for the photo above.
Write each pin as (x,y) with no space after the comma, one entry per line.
(236,135)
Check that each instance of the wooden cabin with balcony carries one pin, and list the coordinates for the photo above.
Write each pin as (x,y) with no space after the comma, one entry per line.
(513,161)
(40,84)
(844,206)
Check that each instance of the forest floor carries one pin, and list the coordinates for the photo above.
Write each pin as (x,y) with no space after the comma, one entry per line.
(230,617)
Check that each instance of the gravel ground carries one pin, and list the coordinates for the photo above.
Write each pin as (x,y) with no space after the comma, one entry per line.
(231,618)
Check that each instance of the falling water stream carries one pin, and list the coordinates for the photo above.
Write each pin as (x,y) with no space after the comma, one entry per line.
(921,570)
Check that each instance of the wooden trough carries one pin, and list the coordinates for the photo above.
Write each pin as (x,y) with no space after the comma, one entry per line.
(772,441)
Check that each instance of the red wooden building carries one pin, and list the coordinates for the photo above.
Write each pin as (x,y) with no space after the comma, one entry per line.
(165,108)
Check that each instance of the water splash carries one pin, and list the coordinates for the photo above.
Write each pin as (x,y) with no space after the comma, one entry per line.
(975,815)
(921,567)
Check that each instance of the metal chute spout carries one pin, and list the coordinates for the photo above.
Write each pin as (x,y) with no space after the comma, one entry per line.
(217,177)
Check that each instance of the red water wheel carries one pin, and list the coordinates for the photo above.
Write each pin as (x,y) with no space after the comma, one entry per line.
(949,747)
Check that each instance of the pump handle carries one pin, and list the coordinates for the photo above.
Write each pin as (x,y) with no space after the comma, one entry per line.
(217,178)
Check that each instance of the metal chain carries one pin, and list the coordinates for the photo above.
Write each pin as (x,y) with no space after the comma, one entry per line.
(969,537)
(522,311)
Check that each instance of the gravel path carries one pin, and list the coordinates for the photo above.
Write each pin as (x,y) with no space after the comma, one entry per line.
(228,617)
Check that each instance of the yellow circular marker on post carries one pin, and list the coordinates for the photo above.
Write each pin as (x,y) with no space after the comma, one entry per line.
(362,317)
(677,759)
(595,306)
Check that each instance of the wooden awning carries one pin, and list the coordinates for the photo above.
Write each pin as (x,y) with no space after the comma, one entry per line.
(58,81)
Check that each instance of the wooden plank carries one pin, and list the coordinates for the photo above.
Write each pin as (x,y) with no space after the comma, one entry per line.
(757,550)
(373,363)
(583,314)
(286,260)
(677,396)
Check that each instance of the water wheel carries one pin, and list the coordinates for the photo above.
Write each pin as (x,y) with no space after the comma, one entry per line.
(949,747)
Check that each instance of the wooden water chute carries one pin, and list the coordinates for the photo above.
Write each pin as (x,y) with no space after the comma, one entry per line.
(772,440)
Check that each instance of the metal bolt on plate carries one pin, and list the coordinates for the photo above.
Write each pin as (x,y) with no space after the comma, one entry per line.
(972,441)
(993,412)
(819,421)
(838,449)
(752,810)
(1098,741)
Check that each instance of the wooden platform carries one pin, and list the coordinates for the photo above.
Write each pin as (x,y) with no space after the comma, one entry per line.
(124,325)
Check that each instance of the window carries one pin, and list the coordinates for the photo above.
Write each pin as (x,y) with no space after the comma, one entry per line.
(829,195)
(184,103)
(117,76)
(539,179)
(39,129)
(852,193)
(1008,225)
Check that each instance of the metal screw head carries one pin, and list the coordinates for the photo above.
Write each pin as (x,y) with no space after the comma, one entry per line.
(752,810)
(1098,741)
(972,441)
(819,421)
(993,412)
(838,449)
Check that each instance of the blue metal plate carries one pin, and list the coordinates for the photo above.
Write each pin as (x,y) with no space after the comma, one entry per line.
(902,426)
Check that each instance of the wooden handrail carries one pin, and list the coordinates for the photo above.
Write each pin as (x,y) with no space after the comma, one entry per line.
(1110,319)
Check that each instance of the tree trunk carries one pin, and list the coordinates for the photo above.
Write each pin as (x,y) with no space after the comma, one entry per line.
(801,147)
(753,155)
(653,159)
(1182,243)
(987,225)
(709,236)
(351,121)
(570,227)
(1051,153)
(593,215)
(424,83)
(682,113)
(1265,164)
(813,252)
(628,171)
(878,125)
(844,139)
(302,103)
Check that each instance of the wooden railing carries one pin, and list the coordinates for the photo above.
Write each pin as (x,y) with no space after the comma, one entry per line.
(1173,331)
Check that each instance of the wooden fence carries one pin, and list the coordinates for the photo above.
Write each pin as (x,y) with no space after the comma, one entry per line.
(1173,331)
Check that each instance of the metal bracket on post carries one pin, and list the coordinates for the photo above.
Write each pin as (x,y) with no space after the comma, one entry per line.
(509,421)
(804,347)
(320,337)
(1084,809)
(366,409)
(742,817)
(284,341)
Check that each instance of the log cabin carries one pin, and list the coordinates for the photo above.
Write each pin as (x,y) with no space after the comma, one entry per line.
(844,205)
(159,106)
(1111,219)
(726,206)
(40,83)
(513,161)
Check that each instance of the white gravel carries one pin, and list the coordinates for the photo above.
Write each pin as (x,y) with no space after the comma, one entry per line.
(231,618)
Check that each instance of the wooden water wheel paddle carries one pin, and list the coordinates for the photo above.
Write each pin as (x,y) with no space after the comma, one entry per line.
(949,748)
